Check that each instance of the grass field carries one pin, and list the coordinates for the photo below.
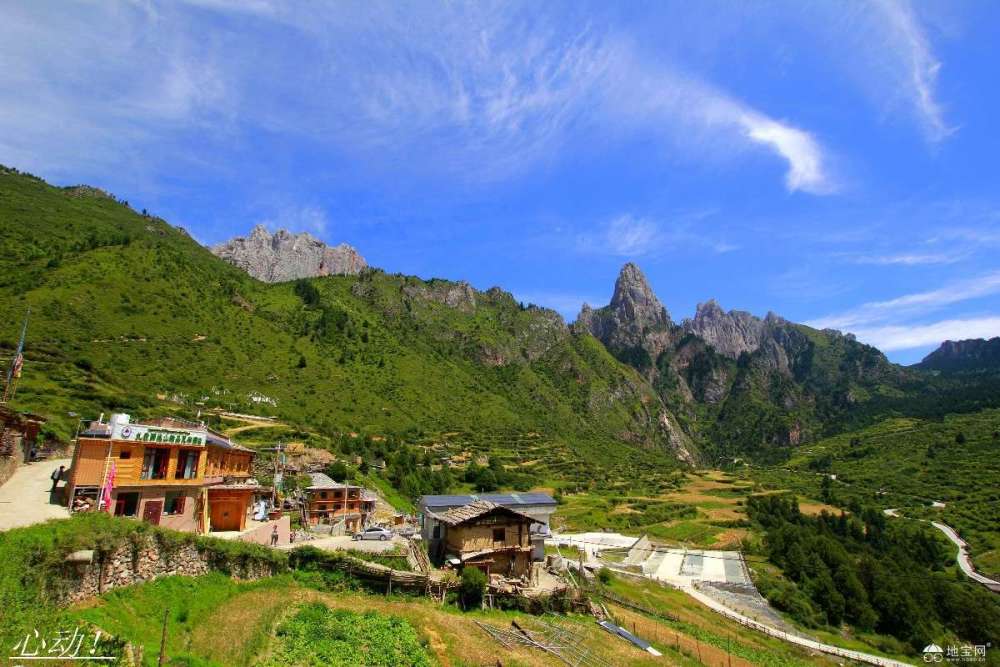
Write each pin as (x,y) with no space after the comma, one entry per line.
(702,509)
(259,621)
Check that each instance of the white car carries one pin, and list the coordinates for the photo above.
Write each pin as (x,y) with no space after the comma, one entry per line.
(374,533)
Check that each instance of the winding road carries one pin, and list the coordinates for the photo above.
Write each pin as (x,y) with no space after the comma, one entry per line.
(962,557)
(964,562)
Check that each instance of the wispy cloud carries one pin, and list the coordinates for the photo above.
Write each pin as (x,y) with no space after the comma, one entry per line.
(905,322)
(907,259)
(912,305)
(481,90)
(632,236)
(898,337)
(806,170)
(905,34)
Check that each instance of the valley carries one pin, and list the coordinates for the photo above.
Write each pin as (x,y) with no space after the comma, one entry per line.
(724,432)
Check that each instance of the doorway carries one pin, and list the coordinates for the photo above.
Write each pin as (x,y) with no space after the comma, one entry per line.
(225,515)
(152,511)
(127,504)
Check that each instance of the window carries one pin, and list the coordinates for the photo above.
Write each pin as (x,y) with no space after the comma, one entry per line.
(187,464)
(154,463)
(126,504)
(499,534)
(174,503)
(322,494)
(125,454)
(437,532)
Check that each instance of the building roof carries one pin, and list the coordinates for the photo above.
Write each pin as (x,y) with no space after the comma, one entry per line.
(511,500)
(104,430)
(323,481)
(459,515)
(97,430)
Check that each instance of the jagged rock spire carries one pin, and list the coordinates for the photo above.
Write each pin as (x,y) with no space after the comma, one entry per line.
(634,300)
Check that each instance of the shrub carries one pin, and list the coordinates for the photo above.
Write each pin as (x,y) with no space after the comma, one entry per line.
(473,587)
(605,576)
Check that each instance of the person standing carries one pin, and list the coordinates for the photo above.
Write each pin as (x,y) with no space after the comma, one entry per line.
(56,476)
(274,536)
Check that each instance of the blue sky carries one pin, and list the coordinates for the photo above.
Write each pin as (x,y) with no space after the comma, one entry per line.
(833,162)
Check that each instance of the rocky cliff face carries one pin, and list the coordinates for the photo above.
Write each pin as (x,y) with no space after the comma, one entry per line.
(730,333)
(635,326)
(284,256)
(973,354)
(740,383)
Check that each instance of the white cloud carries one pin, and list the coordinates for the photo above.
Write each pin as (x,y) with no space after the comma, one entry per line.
(906,36)
(912,305)
(903,337)
(806,170)
(907,259)
(479,90)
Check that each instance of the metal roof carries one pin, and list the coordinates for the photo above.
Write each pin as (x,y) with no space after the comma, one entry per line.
(505,499)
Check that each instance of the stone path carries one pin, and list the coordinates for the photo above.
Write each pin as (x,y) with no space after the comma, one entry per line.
(25,498)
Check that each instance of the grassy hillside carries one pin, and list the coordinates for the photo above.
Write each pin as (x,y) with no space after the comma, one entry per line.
(129,313)
(908,464)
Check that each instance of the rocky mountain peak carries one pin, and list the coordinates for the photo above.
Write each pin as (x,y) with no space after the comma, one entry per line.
(284,255)
(635,301)
(730,333)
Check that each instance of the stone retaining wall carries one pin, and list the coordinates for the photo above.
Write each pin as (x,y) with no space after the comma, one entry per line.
(129,564)
(8,466)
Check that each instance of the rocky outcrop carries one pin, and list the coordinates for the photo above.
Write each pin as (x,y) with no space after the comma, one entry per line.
(635,326)
(458,295)
(970,355)
(730,333)
(284,256)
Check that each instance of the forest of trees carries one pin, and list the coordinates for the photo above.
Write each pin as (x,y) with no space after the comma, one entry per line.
(871,573)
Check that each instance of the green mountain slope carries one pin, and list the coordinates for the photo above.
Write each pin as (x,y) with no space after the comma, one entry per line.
(909,464)
(130,313)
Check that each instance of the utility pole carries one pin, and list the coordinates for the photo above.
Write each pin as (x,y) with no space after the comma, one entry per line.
(163,639)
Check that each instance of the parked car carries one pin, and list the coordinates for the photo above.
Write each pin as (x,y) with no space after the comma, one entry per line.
(407,531)
(374,533)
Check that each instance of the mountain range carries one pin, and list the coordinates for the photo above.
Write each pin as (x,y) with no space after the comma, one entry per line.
(129,313)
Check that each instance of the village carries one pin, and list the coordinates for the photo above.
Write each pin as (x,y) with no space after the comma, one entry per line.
(185,476)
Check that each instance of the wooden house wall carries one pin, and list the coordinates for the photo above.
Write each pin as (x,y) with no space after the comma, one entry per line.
(89,464)
(478,535)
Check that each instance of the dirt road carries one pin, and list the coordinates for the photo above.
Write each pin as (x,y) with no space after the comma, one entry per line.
(25,498)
